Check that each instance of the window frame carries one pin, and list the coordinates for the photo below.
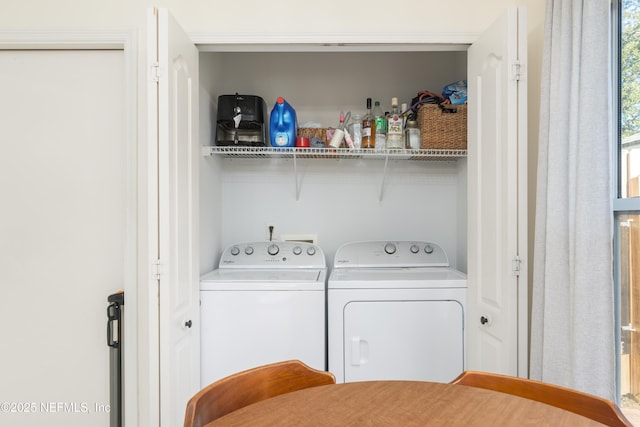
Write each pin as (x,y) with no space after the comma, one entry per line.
(619,205)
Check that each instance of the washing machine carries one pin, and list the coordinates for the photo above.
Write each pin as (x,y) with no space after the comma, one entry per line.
(266,302)
(396,311)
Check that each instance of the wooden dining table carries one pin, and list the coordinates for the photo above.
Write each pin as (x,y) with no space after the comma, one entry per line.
(400,403)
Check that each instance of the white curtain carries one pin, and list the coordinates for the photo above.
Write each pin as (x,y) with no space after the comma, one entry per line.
(572,319)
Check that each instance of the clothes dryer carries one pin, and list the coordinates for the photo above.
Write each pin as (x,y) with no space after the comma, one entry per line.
(396,311)
(266,302)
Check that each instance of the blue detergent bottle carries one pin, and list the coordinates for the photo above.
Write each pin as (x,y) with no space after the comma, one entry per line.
(283,124)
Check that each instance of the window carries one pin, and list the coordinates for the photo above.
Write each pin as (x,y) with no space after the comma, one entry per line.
(626,203)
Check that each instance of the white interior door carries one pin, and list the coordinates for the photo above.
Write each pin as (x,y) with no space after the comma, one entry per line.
(497,323)
(66,231)
(176,136)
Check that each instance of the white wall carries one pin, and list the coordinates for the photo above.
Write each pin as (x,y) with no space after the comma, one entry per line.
(210,188)
(340,201)
(321,84)
(279,16)
(283,16)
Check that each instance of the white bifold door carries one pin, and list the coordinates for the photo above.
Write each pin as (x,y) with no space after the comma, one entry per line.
(174,153)
(497,198)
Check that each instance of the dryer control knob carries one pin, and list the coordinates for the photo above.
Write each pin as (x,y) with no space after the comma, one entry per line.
(414,249)
(428,249)
(297,250)
(235,251)
(311,251)
(273,249)
(390,248)
(248,250)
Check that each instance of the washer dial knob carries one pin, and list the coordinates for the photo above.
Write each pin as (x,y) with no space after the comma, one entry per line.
(273,249)
(414,249)
(390,248)
(428,249)
(234,251)
(297,250)
(311,250)
(248,250)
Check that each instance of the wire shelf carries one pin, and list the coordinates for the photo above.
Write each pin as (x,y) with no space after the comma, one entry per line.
(332,153)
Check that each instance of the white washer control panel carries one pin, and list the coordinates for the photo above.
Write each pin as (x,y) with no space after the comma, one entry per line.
(273,255)
(388,254)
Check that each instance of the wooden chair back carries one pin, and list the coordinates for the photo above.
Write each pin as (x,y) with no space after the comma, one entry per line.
(244,388)
(587,405)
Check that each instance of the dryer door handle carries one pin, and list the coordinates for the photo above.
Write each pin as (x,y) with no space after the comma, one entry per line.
(359,351)
(355,351)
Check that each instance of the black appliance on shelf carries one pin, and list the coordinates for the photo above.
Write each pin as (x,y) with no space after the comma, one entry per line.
(241,121)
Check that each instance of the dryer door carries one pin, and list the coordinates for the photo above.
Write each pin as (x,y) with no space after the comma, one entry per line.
(403,340)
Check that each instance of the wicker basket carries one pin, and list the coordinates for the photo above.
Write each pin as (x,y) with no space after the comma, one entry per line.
(441,130)
(320,133)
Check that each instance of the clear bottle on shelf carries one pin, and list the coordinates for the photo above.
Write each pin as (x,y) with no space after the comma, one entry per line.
(395,131)
(368,128)
(412,135)
(355,129)
(381,126)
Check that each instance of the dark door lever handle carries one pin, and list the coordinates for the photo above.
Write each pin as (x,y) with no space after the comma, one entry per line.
(188,323)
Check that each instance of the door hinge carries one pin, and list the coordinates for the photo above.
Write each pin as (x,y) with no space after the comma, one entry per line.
(156,271)
(155,72)
(516,265)
(515,70)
